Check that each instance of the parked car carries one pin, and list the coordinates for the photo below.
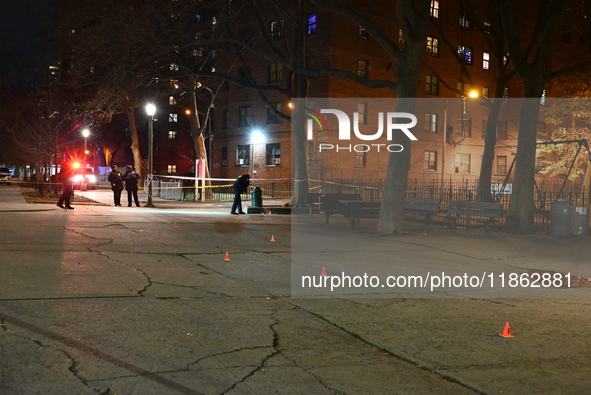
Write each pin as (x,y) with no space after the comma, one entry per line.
(5,175)
(85,176)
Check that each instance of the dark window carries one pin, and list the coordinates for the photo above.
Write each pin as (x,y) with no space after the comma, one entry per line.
(430,160)
(432,85)
(244,116)
(243,155)
(273,154)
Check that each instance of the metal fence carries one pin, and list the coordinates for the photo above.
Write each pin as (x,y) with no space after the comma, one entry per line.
(462,190)
(218,191)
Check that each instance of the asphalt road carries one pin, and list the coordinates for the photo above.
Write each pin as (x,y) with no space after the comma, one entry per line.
(117,300)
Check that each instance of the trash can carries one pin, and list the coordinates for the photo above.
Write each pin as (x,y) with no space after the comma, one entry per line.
(580,221)
(560,219)
(257,197)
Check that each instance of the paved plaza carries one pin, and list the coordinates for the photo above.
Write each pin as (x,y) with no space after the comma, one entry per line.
(117,300)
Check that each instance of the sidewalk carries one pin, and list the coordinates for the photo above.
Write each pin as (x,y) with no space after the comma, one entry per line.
(117,300)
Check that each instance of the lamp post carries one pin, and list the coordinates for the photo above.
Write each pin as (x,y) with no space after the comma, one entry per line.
(257,137)
(150,110)
(85,134)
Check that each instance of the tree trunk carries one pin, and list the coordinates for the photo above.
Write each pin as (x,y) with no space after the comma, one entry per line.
(199,143)
(520,216)
(299,160)
(135,144)
(488,155)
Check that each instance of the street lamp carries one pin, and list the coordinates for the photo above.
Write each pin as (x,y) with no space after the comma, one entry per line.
(150,110)
(257,137)
(85,134)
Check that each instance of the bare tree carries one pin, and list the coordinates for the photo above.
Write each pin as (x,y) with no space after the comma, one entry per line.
(531,59)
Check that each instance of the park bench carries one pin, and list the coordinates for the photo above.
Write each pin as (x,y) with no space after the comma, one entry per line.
(422,206)
(415,206)
(332,203)
(470,213)
(313,201)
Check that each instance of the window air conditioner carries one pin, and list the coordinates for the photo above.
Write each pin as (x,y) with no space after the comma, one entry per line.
(241,161)
(276,161)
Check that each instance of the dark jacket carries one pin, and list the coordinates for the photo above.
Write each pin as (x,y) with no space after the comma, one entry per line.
(131,179)
(116,180)
(66,172)
(241,184)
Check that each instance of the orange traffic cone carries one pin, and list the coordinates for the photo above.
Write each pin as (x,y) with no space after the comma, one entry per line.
(323,271)
(272,239)
(506,331)
(175,225)
(227,257)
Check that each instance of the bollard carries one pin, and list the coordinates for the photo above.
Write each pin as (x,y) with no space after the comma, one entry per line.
(560,219)
(257,197)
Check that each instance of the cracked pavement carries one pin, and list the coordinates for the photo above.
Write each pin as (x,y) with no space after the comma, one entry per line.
(108,300)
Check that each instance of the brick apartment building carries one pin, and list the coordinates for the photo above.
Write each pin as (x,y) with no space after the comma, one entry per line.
(249,137)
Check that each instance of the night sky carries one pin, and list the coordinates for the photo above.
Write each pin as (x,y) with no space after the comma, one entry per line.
(25,42)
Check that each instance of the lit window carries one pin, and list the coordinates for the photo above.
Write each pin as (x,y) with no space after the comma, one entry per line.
(430,160)
(172,134)
(275,72)
(311,25)
(501,165)
(171,100)
(174,67)
(171,169)
(173,117)
(465,53)
(434,10)
(486,61)
(433,46)
(400,39)
(362,68)
(462,164)
(487,27)
(431,123)
(485,92)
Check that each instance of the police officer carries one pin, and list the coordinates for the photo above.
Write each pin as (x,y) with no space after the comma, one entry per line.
(131,179)
(65,177)
(116,180)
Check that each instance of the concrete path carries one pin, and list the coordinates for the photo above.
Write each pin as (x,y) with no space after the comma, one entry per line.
(117,300)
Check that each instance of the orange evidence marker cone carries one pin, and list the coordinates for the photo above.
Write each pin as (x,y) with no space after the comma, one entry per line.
(323,271)
(175,225)
(272,239)
(227,257)
(506,331)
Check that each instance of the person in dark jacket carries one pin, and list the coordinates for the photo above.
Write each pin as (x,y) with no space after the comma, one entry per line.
(65,177)
(240,186)
(116,180)
(131,179)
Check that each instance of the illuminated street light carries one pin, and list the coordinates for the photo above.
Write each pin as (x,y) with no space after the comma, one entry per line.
(256,137)
(85,134)
(150,110)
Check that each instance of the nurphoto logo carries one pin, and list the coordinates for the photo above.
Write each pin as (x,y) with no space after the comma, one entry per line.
(391,120)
